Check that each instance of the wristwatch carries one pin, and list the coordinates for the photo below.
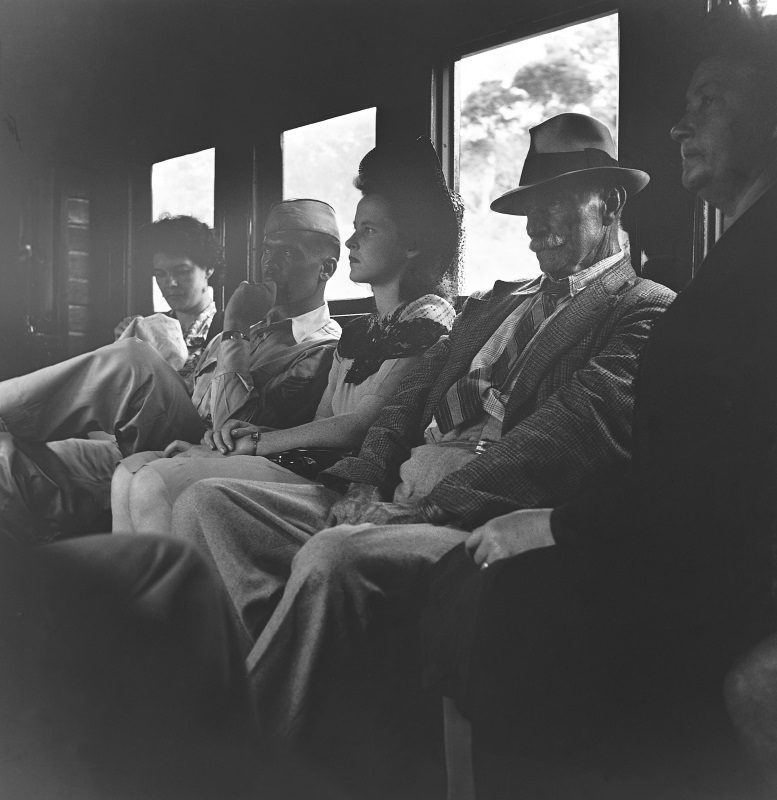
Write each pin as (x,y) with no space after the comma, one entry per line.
(227,335)
(255,437)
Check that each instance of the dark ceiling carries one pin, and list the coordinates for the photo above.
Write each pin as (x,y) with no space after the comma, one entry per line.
(99,77)
(133,73)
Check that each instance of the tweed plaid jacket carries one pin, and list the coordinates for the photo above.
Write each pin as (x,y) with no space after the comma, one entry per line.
(568,417)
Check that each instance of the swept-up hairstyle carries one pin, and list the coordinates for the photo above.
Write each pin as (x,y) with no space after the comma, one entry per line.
(429,216)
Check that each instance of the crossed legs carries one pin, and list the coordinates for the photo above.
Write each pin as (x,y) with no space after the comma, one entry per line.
(125,388)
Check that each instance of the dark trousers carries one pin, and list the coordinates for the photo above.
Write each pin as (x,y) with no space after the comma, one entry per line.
(120,673)
(574,687)
(508,641)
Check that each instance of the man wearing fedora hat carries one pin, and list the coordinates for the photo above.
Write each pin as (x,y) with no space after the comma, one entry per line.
(269,366)
(529,398)
(510,408)
(655,586)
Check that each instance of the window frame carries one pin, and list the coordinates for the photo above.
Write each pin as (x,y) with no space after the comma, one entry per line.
(707,220)
(445,98)
(218,224)
(343,310)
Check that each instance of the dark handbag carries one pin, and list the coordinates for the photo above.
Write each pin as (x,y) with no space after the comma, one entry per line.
(309,461)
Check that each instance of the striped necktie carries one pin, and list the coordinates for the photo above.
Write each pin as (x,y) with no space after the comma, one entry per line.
(464,401)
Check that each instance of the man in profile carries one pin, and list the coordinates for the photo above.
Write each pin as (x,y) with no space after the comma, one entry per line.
(652,585)
(269,367)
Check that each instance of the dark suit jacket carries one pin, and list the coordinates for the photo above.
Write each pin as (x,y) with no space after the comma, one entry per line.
(569,415)
(689,534)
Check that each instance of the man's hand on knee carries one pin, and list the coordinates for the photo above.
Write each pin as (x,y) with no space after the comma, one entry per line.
(510,535)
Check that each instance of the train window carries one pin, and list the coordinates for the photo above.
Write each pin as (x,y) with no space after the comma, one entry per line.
(183,185)
(504,92)
(764,6)
(321,160)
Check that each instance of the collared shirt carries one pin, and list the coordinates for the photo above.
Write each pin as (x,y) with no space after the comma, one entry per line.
(584,278)
(489,426)
(265,380)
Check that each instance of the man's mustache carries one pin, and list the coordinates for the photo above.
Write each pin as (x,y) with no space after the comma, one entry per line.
(546,243)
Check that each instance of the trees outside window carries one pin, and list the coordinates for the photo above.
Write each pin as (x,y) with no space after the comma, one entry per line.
(183,185)
(321,161)
(505,92)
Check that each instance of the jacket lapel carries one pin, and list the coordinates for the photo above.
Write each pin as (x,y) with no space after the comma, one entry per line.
(481,317)
(583,313)
(727,260)
(484,317)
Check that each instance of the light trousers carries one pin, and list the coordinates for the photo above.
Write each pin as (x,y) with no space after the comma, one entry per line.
(126,389)
(310,598)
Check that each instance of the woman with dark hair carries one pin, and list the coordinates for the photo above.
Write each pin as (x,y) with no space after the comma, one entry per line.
(185,236)
(187,260)
(415,197)
(406,245)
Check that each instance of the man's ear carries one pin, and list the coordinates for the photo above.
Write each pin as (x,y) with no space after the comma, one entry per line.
(209,272)
(412,252)
(613,204)
(328,268)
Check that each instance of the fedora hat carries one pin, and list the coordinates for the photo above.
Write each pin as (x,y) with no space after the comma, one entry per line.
(565,146)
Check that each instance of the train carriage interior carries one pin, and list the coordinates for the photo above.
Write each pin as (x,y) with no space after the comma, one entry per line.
(95,94)
(113,112)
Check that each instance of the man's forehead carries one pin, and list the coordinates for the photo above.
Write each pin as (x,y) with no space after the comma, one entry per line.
(724,73)
(284,238)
